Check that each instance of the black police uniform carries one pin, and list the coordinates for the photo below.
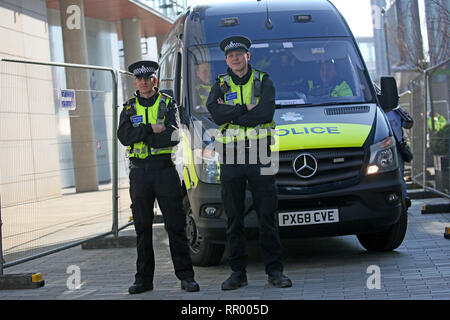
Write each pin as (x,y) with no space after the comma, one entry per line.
(155,177)
(234,177)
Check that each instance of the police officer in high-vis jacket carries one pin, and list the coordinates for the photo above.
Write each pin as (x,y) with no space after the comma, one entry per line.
(148,127)
(242,103)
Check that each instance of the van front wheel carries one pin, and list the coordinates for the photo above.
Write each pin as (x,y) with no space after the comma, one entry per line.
(387,240)
(203,252)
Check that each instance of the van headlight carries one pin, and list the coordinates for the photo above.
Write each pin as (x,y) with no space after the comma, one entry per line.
(383,156)
(207,165)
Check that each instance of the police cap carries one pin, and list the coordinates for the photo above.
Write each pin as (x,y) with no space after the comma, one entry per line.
(235,43)
(143,69)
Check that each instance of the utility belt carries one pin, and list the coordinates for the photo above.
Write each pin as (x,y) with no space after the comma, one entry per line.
(244,151)
(246,144)
(229,133)
(157,162)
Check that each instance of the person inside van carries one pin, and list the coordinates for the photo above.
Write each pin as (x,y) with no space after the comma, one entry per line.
(331,84)
(203,85)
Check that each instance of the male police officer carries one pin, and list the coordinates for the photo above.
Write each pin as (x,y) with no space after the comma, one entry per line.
(148,122)
(399,119)
(242,103)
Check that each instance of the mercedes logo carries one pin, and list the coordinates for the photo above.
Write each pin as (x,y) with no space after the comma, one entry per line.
(305,165)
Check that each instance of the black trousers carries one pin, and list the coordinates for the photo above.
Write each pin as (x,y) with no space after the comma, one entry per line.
(159,181)
(234,179)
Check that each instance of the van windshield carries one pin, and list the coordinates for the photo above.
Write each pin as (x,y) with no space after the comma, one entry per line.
(304,72)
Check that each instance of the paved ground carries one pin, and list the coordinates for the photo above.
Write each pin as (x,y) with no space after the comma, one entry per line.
(320,268)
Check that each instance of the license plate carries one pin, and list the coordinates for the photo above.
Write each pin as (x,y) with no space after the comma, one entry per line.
(301,218)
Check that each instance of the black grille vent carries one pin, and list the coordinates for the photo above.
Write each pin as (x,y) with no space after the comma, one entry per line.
(333,165)
(346,110)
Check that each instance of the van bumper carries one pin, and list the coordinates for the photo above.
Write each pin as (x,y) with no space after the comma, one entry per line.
(363,208)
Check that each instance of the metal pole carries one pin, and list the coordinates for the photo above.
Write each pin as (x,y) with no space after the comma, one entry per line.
(58,64)
(1,237)
(425,98)
(62,248)
(388,62)
(115,164)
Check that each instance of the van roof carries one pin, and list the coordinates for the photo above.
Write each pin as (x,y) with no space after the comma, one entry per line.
(205,22)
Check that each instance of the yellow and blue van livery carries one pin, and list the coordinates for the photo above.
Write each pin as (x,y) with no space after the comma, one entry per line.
(334,154)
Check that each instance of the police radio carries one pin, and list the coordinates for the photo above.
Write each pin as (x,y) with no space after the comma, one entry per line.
(224,87)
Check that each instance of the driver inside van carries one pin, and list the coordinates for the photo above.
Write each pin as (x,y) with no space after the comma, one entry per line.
(331,84)
(203,84)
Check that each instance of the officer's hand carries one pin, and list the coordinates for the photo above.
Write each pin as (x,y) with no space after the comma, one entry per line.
(220,101)
(158,128)
(250,106)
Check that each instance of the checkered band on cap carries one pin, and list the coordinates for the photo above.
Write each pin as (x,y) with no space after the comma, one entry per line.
(143,70)
(235,45)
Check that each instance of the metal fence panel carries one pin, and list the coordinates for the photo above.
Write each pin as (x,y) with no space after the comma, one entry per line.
(42,207)
(417,133)
(438,128)
(125,80)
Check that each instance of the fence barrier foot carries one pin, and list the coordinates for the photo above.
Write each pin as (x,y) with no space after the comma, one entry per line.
(422,194)
(436,208)
(110,242)
(21,281)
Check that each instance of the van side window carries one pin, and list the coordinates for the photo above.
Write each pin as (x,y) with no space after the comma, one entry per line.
(167,71)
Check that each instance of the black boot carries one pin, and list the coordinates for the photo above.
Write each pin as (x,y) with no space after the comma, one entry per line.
(236,280)
(279,280)
(139,287)
(190,285)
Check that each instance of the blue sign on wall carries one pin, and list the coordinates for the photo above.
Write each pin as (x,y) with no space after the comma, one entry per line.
(68,99)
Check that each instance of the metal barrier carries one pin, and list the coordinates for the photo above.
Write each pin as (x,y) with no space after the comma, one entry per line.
(43,174)
(428,102)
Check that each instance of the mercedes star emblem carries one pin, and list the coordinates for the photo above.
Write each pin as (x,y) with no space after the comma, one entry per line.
(305,165)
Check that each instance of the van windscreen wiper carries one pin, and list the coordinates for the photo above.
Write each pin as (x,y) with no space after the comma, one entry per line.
(337,103)
(278,106)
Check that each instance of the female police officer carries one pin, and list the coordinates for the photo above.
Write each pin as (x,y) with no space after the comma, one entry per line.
(242,102)
(147,124)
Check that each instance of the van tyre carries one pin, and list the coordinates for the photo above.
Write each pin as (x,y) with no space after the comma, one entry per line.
(204,253)
(387,240)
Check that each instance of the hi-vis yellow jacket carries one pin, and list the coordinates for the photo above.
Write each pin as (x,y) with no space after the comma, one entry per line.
(243,94)
(151,115)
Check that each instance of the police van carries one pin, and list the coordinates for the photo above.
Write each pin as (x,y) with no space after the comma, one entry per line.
(337,170)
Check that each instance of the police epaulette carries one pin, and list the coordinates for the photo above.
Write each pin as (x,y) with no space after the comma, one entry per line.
(130,102)
(221,75)
(165,95)
(130,107)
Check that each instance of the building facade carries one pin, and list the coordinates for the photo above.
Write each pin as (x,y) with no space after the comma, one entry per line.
(39,139)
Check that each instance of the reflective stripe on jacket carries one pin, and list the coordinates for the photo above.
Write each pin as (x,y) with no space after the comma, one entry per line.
(154,114)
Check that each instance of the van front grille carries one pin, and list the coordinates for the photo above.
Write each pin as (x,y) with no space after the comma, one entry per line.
(333,165)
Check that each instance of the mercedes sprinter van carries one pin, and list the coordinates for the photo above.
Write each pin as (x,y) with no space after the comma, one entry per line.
(337,170)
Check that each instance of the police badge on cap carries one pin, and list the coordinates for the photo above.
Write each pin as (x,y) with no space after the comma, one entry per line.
(235,43)
(143,69)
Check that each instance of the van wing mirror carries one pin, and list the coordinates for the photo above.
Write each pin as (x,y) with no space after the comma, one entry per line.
(389,93)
